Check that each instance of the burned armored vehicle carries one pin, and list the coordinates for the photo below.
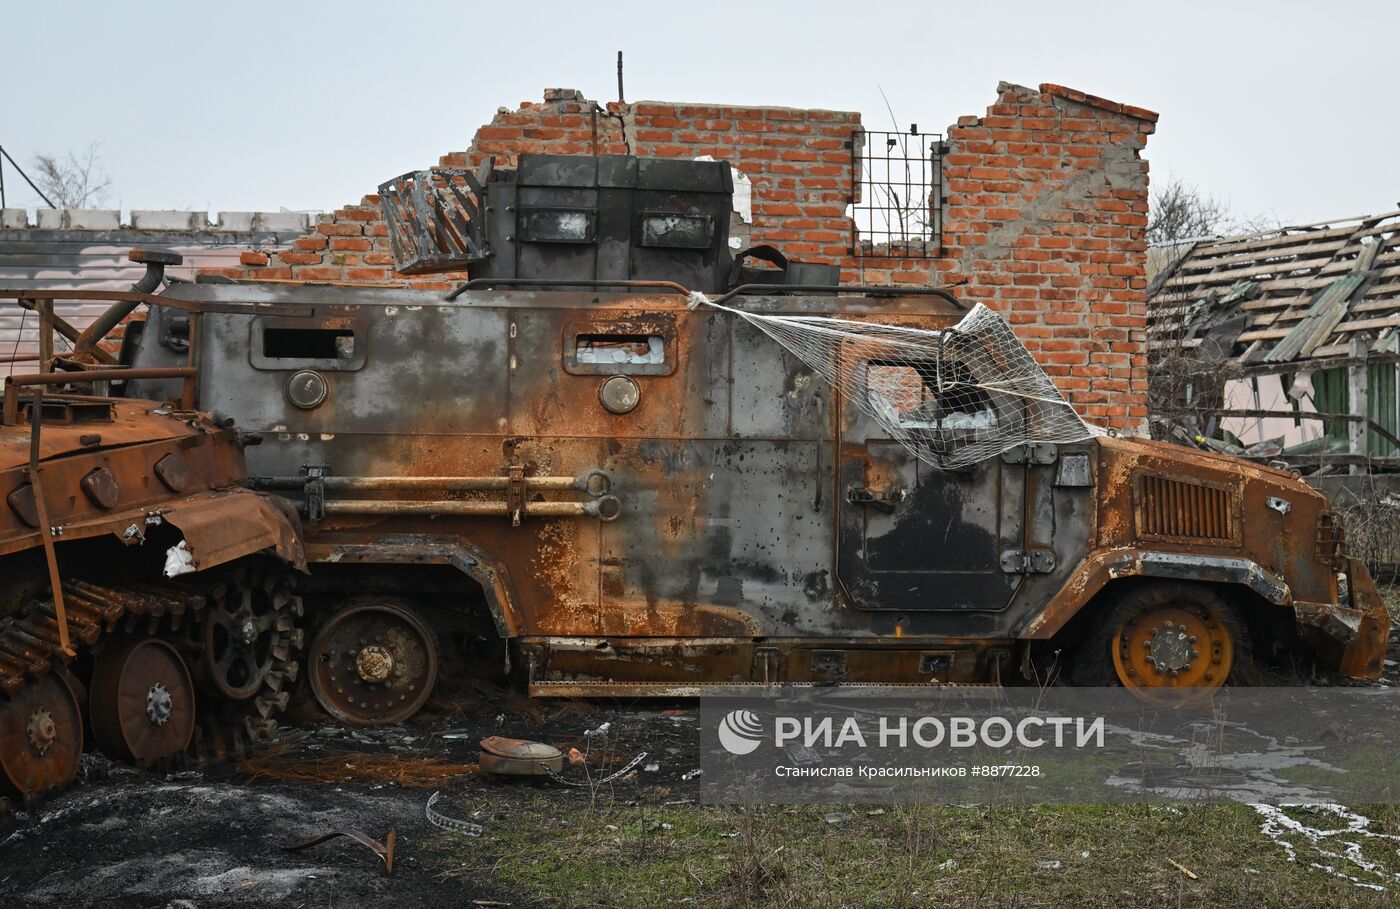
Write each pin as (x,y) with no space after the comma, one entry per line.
(145,594)
(609,464)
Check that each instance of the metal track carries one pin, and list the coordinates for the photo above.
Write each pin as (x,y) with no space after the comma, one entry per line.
(30,649)
(29,641)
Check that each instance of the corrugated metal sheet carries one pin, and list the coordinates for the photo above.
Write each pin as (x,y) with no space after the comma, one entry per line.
(1324,315)
(1331,394)
(1381,408)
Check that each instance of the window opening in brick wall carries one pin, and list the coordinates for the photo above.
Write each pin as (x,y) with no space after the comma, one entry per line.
(898,208)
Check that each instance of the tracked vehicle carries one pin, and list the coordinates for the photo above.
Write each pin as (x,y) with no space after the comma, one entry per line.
(145,597)
(566,471)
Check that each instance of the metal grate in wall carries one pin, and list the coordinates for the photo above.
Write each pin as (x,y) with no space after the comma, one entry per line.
(898,208)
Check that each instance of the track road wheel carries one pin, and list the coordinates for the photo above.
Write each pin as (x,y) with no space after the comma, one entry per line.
(1166,637)
(244,632)
(41,737)
(373,663)
(243,655)
(142,703)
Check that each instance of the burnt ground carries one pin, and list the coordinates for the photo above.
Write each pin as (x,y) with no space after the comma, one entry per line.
(213,838)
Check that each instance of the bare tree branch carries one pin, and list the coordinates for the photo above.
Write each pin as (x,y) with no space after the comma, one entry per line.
(1180,211)
(75,180)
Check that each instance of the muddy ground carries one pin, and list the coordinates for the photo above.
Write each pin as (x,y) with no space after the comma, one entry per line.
(214,838)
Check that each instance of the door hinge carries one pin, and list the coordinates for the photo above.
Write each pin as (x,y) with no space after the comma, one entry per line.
(1028,561)
(1034,453)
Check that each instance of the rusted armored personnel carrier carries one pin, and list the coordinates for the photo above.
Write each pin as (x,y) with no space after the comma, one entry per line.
(563,471)
(144,593)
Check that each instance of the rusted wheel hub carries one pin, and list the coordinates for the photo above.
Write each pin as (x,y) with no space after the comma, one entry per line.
(41,737)
(1173,647)
(142,703)
(159,704)
(373,664)
(41,731)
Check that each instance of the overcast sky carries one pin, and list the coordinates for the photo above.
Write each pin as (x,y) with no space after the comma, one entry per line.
(1284,110)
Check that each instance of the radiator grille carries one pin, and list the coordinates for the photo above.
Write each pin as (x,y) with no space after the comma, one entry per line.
(1173,508)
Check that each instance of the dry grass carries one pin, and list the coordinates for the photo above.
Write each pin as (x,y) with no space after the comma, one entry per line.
(552,851)
(277,763)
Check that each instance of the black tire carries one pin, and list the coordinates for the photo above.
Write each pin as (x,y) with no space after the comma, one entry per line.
(1093,659)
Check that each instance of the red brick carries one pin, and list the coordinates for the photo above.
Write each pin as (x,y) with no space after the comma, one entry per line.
(252,258)
(308,273)
(367,274)
(338,229)
(299,258)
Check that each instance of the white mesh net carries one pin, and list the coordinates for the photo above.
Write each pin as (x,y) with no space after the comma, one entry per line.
(952,397)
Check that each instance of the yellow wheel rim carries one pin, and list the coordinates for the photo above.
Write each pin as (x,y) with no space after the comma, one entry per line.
(1173,647)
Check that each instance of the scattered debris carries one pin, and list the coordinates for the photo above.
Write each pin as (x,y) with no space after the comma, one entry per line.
(626,768)
(601,730)
(1052,864)
(1183,869)
(384,850)
(691,774)
(520,757)
(837,817)
(947,865)
(651,768)
(442,821)
(576,758)
(352,767)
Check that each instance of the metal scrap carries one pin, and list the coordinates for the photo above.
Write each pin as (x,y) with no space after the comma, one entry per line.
(442,821)
(599,782)
(384,850)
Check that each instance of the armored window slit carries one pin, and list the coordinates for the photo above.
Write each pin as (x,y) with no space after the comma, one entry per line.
(641,346)
(308,343)
(626,350)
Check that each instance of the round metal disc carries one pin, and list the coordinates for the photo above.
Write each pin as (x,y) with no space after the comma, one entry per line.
(373,664)
(1173,647)
(307,389)
(41,737)
(240,635)
(142,702)
(619,394)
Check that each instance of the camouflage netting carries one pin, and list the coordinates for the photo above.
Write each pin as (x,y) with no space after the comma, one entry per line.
(952,397)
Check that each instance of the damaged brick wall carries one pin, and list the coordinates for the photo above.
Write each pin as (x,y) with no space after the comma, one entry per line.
(1046,211)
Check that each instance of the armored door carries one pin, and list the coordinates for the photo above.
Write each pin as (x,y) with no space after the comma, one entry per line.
(916,537)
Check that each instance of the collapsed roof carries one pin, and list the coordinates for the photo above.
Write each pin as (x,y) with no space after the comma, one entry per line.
(1299,295)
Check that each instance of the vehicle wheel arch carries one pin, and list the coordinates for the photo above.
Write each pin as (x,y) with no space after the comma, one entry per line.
(487,574)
